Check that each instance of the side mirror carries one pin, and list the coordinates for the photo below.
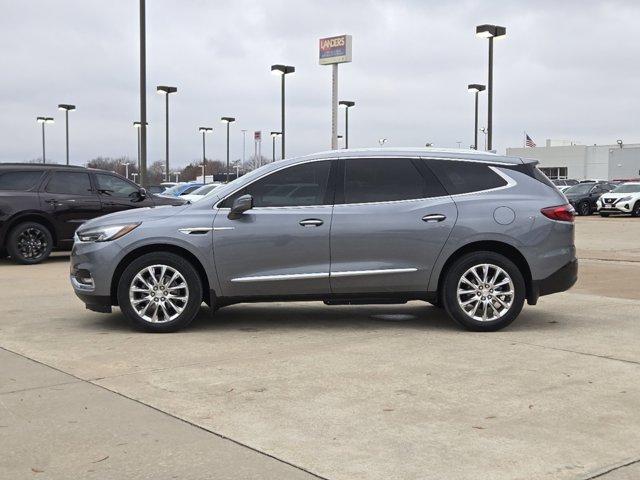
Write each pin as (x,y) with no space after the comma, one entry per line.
(240,205)
(142,193)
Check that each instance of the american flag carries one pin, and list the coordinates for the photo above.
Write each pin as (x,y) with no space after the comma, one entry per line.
(528,142)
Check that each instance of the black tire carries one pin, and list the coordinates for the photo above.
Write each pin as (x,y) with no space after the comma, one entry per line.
(190,307)
(29,243)
(450,293)
(604,214)
(584,208)
(636,209)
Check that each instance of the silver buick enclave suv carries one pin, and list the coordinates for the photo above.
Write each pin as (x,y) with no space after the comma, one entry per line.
(474,233)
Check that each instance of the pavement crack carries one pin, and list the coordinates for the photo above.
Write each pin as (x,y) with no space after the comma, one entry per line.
(606,357)
(39,387)
(612,469)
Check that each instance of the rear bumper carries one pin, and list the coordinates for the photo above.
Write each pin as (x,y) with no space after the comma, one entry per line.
(562,279)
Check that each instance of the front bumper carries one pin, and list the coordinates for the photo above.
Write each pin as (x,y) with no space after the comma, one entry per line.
(620,207)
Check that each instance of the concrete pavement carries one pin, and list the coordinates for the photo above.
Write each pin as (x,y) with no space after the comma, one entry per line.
(342,392)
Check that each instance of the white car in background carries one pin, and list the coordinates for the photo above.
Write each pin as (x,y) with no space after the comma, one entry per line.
(200,193)
(624,198)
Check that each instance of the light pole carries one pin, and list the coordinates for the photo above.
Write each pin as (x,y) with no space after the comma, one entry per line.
(347,105)
(274,135)
(490,32)
(204,131)
(44,120)
(475,88)
(143,96)
(134,175)
(484,131)
(282,70)
(126,170)
(67,108)
(166,91)
(244,145)
(227,120)
(137,126)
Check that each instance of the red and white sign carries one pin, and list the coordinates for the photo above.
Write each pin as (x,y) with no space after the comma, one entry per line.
(335,49)
(257,135)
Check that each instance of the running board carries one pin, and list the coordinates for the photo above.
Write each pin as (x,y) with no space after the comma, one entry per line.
(365,301)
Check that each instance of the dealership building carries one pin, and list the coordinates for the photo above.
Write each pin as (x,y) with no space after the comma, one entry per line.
(561,159)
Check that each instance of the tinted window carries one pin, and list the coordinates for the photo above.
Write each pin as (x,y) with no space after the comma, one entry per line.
(70,183)
(114,186)
(385,180)
(190,189)
(464,177)
(19,180)
(299,185)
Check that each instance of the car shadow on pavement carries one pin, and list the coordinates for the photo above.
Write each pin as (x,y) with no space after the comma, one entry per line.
(308,316)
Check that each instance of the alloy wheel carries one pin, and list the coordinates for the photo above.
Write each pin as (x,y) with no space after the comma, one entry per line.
(485,292)
(32,243)
(158,293)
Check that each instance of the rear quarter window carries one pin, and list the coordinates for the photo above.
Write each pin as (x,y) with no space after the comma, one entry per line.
(465,177)
(20,180)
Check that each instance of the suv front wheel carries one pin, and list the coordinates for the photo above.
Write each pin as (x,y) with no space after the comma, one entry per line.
(29,243)
(484,291)
(160,292)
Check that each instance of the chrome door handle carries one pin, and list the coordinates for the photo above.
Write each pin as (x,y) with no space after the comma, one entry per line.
(311,222)
(434,217)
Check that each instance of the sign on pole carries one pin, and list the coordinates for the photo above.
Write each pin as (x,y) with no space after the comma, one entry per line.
(333,51)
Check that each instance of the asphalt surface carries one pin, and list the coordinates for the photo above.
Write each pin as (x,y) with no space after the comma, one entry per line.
(302,390)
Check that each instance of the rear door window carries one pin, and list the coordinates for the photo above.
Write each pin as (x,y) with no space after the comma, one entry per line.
(20,180)
(370,180)
(69,183)
(465,177)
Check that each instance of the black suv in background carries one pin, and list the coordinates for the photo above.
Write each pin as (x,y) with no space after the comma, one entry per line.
(42,205)
(583,196)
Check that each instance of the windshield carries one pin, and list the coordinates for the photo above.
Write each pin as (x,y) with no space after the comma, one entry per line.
(173,189)
(580,188)
(627,188)
(203,190)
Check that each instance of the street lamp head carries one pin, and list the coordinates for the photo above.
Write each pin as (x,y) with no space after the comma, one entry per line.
(489,31)
(67,107)
(44,120)
(382,141)
(282,69)
(205,129)
(139,124)
(428,144)
(475,88)
(275,134)
(227,119)
(165,90)
(346,103)
(619,142)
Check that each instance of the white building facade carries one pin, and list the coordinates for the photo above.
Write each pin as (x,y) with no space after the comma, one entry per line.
(562,159)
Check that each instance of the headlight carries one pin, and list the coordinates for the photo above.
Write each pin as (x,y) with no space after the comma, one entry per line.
(105,233)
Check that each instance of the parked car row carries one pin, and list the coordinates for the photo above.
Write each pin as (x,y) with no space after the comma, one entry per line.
(604,197)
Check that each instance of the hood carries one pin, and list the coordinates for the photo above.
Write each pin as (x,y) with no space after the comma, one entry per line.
(136,215)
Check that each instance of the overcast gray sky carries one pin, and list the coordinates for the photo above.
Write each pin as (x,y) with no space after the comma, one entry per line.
(567,69)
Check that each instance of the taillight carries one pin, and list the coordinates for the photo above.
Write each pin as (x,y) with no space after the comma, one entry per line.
(562,213)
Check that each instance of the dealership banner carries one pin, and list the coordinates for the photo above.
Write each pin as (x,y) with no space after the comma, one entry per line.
(335,49)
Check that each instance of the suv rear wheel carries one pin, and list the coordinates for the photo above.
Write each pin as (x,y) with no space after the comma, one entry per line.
(29,243)
(160,292)
(484,291)
(636,209)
